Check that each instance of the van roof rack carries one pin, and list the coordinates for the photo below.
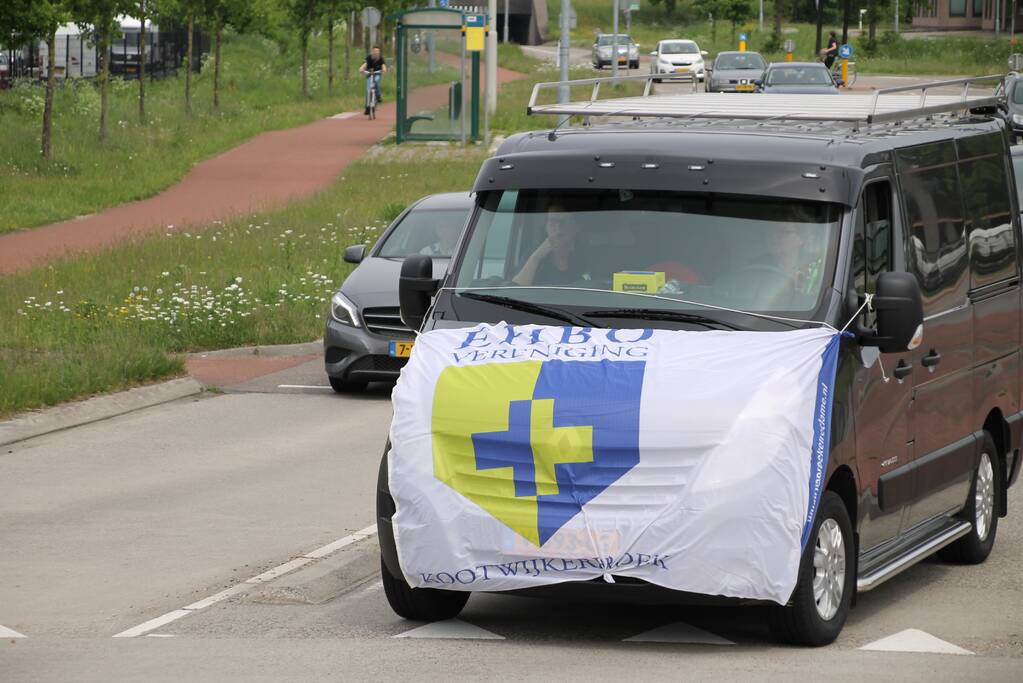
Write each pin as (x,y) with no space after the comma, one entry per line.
(882,106)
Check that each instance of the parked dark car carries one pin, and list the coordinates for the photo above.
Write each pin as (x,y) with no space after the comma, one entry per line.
(799,78)
(365,339)
(920,212)
(5,71)
(735,72)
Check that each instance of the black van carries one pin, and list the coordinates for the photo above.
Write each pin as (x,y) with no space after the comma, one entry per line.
(774,224)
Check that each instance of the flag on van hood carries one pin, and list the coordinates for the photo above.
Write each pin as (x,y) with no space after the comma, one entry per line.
(530,455)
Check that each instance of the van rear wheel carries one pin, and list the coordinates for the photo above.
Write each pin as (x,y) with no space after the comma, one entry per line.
(820,602)
(420,604)
(981,510)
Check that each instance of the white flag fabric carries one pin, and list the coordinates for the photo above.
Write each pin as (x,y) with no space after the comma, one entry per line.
(531,455)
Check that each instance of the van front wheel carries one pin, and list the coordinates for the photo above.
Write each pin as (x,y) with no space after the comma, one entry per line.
(820,602)
(420,604)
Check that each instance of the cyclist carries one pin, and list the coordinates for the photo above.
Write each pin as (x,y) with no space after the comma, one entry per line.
(831,52)
(376,66)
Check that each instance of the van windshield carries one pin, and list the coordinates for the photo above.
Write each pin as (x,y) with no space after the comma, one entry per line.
(612,248)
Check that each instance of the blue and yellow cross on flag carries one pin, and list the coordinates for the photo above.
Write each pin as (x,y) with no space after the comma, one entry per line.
(527,455)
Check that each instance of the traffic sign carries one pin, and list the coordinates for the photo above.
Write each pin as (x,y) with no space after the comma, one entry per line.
(474,27)
(370,17)
(845,51)
(444,3)
(742,37)
(633,5)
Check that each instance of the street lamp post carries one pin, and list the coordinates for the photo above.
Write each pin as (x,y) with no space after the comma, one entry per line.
(614,42)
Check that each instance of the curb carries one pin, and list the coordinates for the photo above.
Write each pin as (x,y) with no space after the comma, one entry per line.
(30,425)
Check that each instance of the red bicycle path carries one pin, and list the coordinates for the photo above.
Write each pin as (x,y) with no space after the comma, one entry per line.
(266,172)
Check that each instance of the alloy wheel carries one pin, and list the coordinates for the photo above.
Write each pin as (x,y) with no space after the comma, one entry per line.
(984,497)
(829,569)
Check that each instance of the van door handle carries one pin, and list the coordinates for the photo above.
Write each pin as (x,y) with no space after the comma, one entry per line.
(930,360)
(902,370)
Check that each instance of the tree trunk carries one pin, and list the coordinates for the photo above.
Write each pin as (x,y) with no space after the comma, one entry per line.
(104,78)
(777,17)
(305,63)
(51,86)
(350,25)
(330,55)
(845,21)
(820,27)
(188,65)
(216,64)
(872,25)
(142,65)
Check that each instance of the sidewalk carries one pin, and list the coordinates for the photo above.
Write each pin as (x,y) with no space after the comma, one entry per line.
(268,171)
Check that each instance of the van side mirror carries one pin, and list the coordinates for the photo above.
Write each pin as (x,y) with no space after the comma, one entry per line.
(416,287)
(354,253)
(900,315)
(654,53)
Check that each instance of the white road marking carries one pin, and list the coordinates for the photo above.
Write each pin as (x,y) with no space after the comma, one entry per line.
(10,633)
(291,565)
(345,115)
(451,628)
(303,386)
(159,635)
(679,632)
(915,640)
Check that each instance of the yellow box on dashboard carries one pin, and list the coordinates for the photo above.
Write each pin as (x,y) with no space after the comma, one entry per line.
(646,281)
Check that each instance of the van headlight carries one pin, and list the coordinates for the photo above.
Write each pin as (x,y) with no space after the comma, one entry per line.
(343,310)
(1017,118)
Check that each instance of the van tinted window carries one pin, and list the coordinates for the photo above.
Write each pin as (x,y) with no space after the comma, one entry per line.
(937,252)
(986,189)
(872,252)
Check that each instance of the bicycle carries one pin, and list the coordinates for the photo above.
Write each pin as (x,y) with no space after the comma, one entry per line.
(836,69)
(372,87)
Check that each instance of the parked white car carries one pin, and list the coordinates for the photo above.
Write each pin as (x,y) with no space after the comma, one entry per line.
(678,56)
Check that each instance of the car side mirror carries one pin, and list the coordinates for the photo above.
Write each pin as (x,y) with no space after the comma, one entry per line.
(839,82)
(759,82)
(900,315)
(704,53)
(654,53)
(416,288)
(354,253)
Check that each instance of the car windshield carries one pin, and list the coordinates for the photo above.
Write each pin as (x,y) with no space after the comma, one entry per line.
(430,232)
(608,39)
(742,60)
(1017,93)
(679,48)
(799,75)
(597,248)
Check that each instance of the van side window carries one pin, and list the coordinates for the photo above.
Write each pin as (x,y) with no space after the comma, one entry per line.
(936,244)
(986,187)
(872,244)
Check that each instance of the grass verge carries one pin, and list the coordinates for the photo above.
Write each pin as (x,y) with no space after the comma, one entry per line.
(261,91)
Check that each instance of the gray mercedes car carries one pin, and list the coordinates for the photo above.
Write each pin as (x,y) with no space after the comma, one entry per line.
(365,339)
(735,72)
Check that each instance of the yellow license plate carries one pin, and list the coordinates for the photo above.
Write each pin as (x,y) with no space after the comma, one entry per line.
(621,60)
(683,70)
(745,88)
(401,349)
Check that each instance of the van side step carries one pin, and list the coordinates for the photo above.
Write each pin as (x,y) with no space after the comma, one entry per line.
(912,556)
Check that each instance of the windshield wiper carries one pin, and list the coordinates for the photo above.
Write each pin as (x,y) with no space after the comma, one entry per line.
(657,314)
(529,307)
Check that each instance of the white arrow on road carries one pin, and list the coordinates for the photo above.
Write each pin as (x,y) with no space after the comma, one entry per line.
(10,633)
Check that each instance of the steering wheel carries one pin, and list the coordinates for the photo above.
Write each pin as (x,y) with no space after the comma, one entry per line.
(771,284)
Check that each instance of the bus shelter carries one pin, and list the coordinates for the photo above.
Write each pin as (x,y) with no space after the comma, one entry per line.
(431,62)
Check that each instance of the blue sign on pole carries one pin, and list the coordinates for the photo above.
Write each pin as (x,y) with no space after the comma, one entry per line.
(444,3)
(845,51)
(742,36)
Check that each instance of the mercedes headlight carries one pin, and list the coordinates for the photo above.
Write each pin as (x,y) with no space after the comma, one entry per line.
(1017,118)
(343,310)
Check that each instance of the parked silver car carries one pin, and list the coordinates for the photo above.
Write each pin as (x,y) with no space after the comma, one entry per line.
(735,72)
(628,51)
(365,339)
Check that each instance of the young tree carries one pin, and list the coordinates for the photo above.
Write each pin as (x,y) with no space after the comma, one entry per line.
(304,15)
(737,11)
(35,20)
(97,19)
